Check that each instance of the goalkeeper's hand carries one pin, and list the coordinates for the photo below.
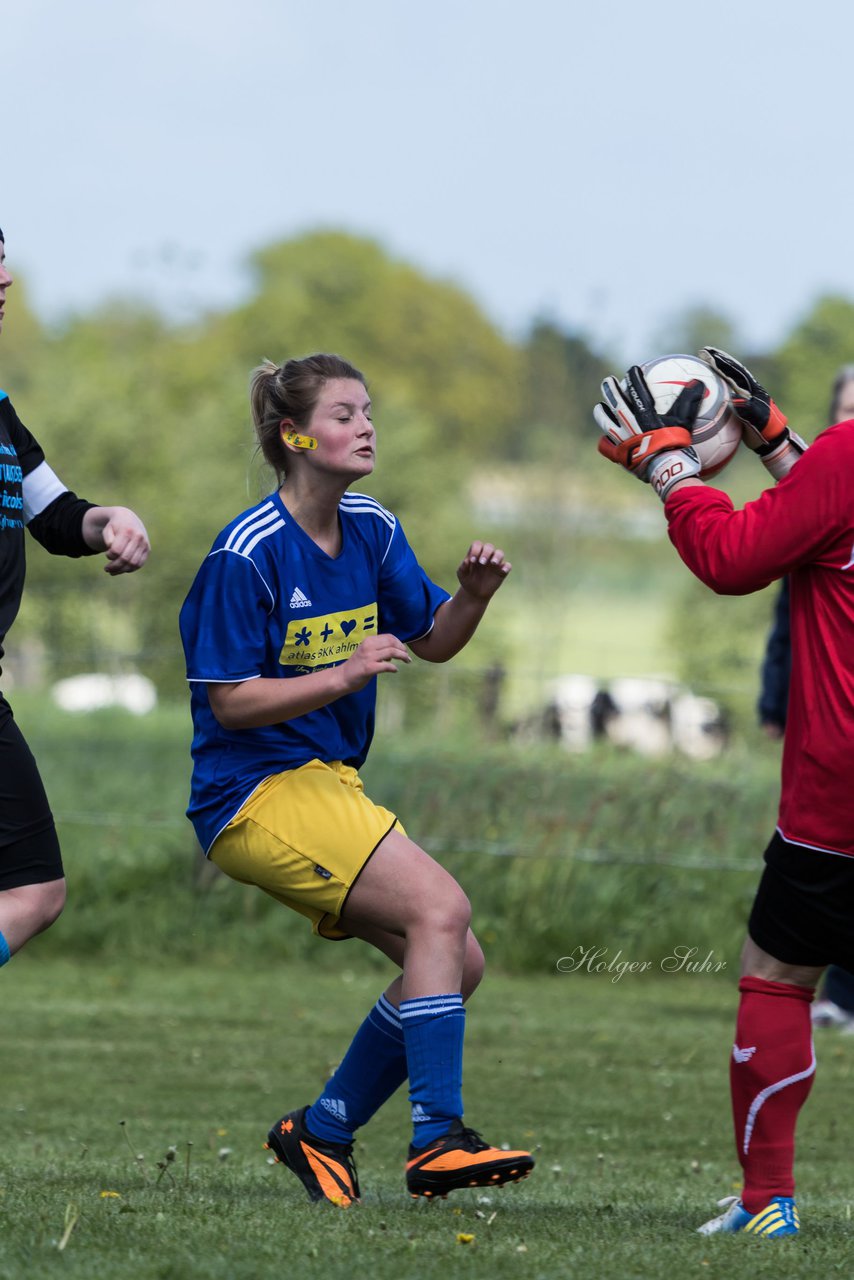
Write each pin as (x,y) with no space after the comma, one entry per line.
(655,447)
(764,427)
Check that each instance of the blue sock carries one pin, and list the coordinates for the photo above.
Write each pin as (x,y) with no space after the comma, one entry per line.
(433,1028)
(373,1068)
(4,950)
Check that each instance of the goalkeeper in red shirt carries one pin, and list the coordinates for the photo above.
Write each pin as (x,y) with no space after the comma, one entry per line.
(802,918)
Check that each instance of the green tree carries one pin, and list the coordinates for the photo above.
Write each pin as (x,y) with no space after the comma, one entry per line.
(561,376)
(696,327)
(423,340)
(130,409)
(23,344)
(445,382)
(810,358)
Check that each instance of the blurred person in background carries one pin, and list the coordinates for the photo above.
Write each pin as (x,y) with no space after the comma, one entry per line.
(302,603)
(802,918)
(836,1006)
(32,497)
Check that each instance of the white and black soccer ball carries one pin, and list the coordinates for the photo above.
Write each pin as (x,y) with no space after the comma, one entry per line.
(716,433)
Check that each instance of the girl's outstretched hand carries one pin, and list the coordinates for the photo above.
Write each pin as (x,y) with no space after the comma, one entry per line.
(483,570)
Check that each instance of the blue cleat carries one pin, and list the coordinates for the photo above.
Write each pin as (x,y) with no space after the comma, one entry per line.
(779,1218)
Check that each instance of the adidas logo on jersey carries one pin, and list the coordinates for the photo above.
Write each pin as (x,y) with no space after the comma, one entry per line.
(299,600)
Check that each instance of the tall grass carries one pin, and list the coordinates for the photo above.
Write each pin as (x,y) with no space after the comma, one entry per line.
(555,851)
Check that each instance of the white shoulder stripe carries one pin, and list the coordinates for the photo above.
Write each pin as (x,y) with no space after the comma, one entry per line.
(238,540)
(363,499)
(249,547)
(361,506)
(40,487)
(265,512)
(247,527)
(273,520)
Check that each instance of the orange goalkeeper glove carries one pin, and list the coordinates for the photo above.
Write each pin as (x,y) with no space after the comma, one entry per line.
(764,426)
(655,447)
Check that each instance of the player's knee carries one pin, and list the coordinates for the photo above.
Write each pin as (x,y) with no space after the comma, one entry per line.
(458,912)
(473,966)
(54,902)
(449,912)
(47,902)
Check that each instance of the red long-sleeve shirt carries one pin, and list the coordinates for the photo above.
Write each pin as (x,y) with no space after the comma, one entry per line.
(803,527)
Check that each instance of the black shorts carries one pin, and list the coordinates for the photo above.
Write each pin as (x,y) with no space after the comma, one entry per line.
(803,912)
(29,848)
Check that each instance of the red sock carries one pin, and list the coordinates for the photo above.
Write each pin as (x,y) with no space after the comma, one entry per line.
(771,1073)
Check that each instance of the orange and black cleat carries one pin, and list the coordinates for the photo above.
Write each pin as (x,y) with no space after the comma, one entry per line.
(460,1158)
(325,1169)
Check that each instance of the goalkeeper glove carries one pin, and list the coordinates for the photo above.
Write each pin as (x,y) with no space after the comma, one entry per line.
(655,447)
(764,426)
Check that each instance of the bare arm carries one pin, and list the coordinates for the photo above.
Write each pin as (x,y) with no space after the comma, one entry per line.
(119,532)
(251,704)
(481,573)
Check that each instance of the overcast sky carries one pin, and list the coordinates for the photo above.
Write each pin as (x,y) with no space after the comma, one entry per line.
(602,162)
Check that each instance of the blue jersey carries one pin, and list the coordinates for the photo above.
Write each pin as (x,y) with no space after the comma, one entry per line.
(269,602)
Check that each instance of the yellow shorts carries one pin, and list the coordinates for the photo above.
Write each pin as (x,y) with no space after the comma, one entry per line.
(303,837)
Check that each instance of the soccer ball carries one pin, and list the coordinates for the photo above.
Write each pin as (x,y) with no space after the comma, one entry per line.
(716,433)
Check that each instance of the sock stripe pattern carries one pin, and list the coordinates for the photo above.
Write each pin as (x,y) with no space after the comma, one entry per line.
(771,1073)
(433,1005)
(373,1068)
(765,1094)
(5,953)
(386,1018)
(434,1030)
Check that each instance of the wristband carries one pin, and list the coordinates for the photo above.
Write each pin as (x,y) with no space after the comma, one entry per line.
(779,461)
(667,469)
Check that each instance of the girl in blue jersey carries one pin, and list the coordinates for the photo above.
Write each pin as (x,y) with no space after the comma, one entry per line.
(302,602)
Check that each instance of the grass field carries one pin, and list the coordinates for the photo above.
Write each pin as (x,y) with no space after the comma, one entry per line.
(618,1087)
(155,1033)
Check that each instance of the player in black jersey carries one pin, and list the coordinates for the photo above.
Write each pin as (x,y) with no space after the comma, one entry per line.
(32,885)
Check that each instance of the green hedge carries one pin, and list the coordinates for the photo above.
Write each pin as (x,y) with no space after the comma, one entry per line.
(556,851)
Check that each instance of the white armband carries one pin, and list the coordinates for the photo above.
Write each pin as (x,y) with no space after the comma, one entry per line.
(40,487)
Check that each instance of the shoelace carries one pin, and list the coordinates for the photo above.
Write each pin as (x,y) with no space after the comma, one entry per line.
(351,1165)
(471,1139)
(342,1151)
